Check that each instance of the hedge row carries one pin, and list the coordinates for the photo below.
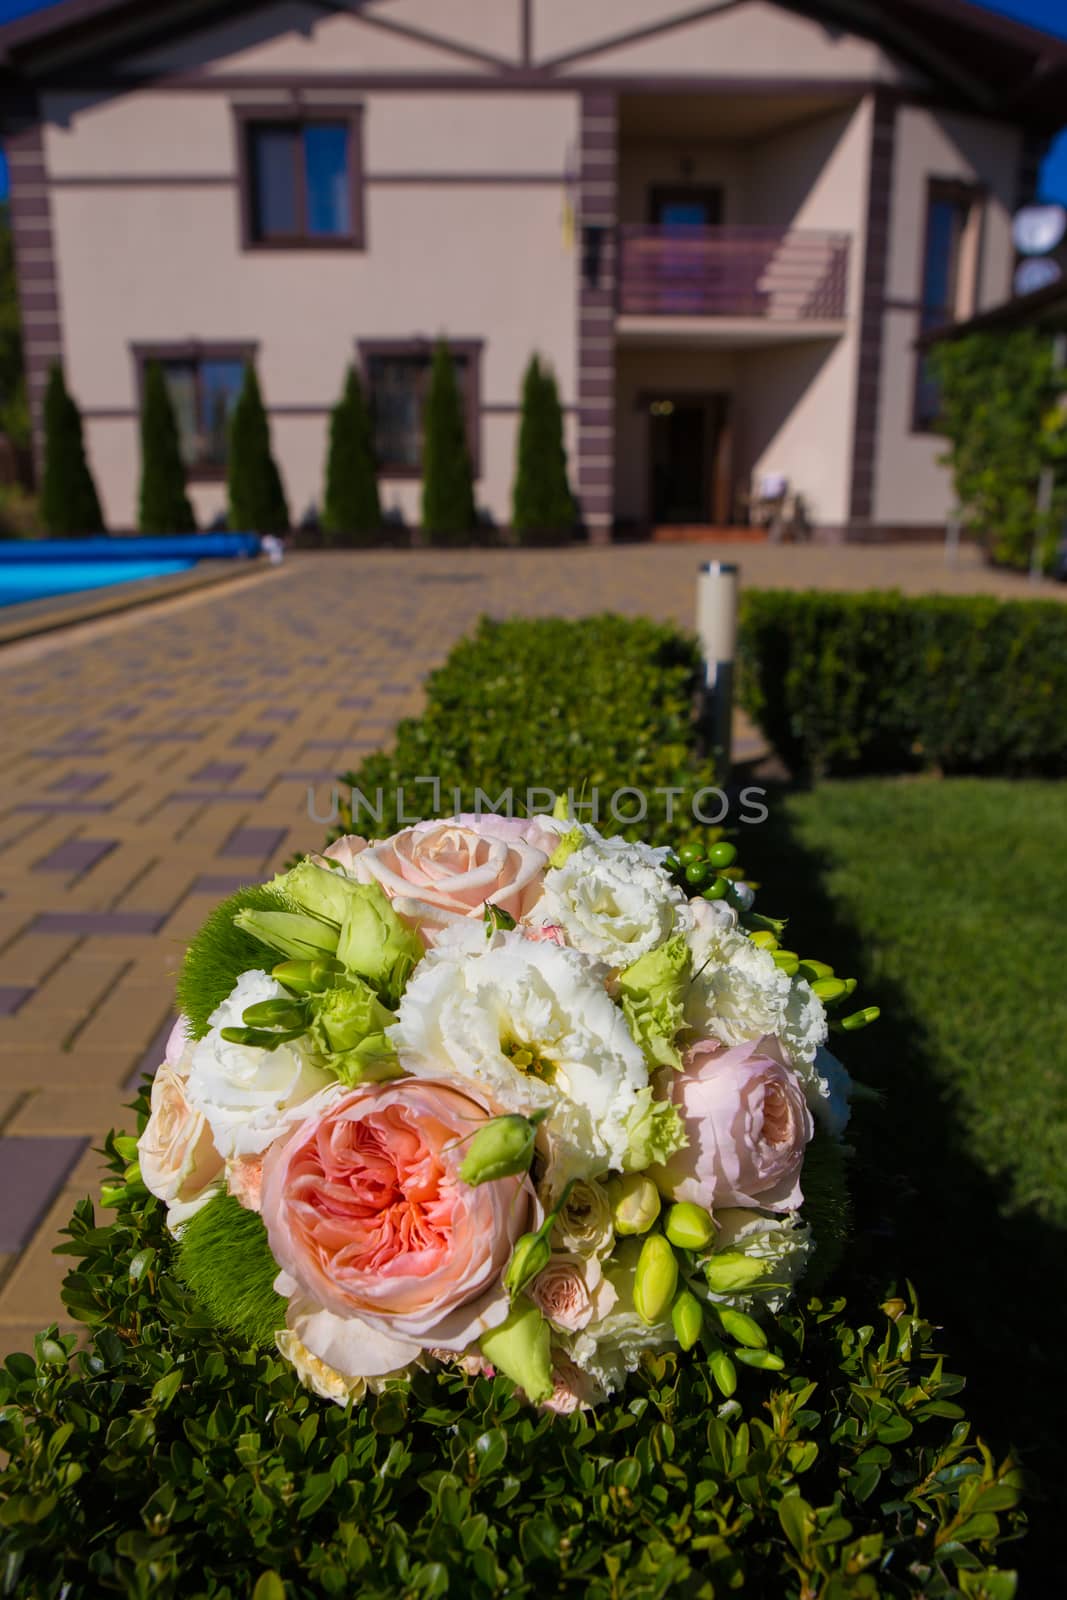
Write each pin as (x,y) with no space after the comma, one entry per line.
(884,682)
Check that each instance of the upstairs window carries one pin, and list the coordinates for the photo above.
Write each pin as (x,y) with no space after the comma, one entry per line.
(203,385)
(949,286)
(398,381)
(301,180)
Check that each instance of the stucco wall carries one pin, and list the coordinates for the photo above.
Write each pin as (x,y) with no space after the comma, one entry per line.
(472,260)
(910,486)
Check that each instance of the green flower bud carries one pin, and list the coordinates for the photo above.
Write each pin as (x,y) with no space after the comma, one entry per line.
(690,853)
(672,863)
(571,841)
(860,1019)
(763,939)
(635,1203)
(716,890)
(655,1280)
(307,977)
(374,943)
(697,872)
(689,1226)
(765,1359)
(274,1014)
(814,970)
(687,1315)
(530,1256)
(316,890)
(723,1371)
(520,1347)
(260,1038)
(732,1272)
(775,925)
(829,989)
(722,855)
(290,932)
(745,1329)
(502,1148)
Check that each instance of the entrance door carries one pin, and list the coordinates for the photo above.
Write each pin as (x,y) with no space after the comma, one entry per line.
(681,206)
(687,459)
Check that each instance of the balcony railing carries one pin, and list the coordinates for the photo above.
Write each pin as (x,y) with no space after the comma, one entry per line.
(776,274)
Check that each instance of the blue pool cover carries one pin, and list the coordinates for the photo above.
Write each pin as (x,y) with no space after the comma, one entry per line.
(39,580)
(172,547)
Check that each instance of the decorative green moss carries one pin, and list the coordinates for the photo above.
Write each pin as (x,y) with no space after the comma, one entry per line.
(224,1257)
(220,952)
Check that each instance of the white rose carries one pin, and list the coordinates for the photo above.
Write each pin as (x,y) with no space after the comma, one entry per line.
(613,900)
(584,1226)
(316,1375)
(250,1096)
(529,1025)
(178,1159)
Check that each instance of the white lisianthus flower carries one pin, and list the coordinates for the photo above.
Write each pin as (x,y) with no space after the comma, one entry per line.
(737,992)
(608,1349)
(614,900)
(530,1026)
(802,1038)
(805,1027)
(783,1244)
(249,1097)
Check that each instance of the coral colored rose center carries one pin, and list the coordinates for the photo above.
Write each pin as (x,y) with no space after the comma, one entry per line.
(380,1197)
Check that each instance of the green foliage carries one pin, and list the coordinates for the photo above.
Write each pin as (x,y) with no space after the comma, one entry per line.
(20,516)
(447,483)
(169,1461)
(14,408)
(164,504)
(999,410)
(887,682)
(224,1258)
(827,1207)
(220,952)
(604,703)
(351,510)
(541,496)
(69,505)
(254,485)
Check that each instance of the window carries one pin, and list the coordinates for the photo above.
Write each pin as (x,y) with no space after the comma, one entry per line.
(949,286)
(203,383)
(398,379)
(300,179)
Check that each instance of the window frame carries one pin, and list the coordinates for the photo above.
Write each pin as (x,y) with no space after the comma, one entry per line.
(974,196)
(283,114)
(196,351)
(470,391)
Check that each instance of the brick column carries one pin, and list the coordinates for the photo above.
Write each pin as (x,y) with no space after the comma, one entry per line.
(597,218)
(872,310)
(31,232)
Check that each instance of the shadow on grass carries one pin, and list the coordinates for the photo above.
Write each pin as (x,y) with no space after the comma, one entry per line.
(925,1212)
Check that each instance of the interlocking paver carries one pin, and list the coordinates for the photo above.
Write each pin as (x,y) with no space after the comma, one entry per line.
(154,762)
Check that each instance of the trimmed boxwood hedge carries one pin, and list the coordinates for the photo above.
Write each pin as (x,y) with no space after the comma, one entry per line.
(167,1461)
(885,682)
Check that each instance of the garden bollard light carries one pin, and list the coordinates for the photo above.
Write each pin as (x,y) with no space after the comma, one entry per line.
(717,628)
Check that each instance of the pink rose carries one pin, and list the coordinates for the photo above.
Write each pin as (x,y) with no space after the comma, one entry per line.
(571,1290)
(383,1247)
(345,850)
(571,1387)
(438,873)
(244,1180)
(748,1123)
(178,1160)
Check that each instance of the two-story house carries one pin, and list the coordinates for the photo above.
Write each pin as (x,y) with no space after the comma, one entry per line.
(723,224)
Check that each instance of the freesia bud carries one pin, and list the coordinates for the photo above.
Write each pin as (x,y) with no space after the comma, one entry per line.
(814,970)
(520,1348)
(745,1329)
(502,1148)
(530,1256)
(830,989)
(689,1226)
(786,961)
(731,1272)
(655,1280)
(307,977)
(765,1359)
(723,1371)
(860,1019)
(763,939)
(290,932)
(687,1315)
(635,1203)
(274,1014)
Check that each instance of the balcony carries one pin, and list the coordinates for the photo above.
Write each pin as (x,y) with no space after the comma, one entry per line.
(769,278)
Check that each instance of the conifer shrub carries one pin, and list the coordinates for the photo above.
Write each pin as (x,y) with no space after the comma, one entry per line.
(541,499)
(351,509)
(254,485)
(69,503)
(164,504)
(448,513)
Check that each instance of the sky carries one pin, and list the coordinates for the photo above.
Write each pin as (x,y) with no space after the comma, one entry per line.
(1048,14)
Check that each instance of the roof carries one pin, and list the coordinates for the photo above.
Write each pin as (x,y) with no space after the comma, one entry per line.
(998,66)
(1044,307)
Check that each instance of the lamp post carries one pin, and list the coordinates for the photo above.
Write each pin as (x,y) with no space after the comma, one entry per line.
(717,586)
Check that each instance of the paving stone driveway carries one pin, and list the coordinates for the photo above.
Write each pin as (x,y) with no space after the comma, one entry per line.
(153,762)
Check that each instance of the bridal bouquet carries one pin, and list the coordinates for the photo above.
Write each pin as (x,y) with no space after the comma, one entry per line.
(499,1093)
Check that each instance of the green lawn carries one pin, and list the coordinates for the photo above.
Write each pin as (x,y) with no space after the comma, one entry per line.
(947,899)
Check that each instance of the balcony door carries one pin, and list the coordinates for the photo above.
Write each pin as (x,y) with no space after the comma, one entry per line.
(684,266)
(678,207)
(689,460)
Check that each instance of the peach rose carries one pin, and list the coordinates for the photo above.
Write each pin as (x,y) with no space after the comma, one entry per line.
(571,1387)
(747,1122)
(178,1159)
(244,1180)
(571,1290)
(384,1249)
(438,873)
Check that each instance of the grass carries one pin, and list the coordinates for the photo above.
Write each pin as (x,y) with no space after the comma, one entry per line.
(946,899)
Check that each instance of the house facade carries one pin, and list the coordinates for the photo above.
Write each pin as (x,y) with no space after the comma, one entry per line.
(723,225)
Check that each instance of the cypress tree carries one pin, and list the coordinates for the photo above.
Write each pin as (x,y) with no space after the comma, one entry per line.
(447,481)
(351,510)
(69,503)
(541,497)
(165,505)
(254,485)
